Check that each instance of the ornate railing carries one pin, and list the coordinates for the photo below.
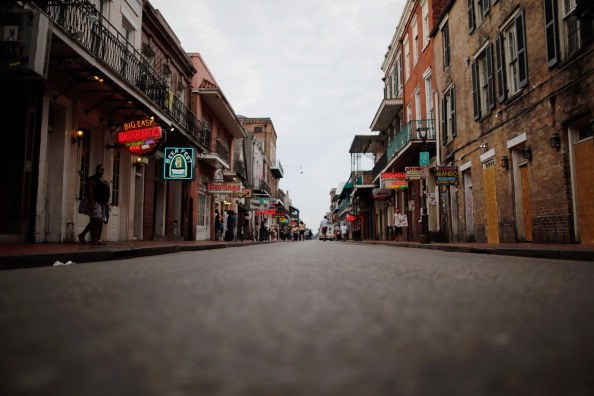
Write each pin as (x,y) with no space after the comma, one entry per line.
(83,22)
(409,132)
(380,164)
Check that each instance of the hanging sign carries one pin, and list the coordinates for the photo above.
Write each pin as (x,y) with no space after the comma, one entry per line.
(140,136)
(393,180)
(446,175)
(223,187)
(417,172)
(178,163)
(424,158)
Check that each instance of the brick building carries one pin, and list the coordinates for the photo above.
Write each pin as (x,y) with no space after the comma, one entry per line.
(515,81)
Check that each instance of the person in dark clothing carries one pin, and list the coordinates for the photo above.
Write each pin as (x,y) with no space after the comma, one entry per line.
(218,226)
(95,204)
(231,221)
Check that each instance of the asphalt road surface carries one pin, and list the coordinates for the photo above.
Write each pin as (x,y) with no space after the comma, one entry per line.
(300,318)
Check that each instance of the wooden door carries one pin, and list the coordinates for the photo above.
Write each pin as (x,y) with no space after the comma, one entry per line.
(584,174)
(526,206)
(491,202)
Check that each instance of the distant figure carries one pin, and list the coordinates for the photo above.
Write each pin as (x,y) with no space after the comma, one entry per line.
(399,222)
(95,204)
(301,231)
(344,230)
(231,220)
(218,226)
(324,227)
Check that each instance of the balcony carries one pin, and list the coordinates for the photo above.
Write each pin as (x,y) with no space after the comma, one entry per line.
(380,165)
(261,187)
(410,134)
(277,170)
(110,51)
(218,155)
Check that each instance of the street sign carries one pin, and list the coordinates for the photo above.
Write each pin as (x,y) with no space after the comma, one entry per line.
(424,158)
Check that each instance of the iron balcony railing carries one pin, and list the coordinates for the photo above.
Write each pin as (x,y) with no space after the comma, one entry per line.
(85,24)
(380,165)
(409,132)
(262,185)
(222,151)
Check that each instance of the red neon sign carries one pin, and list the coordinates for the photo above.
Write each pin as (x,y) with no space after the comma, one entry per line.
(140,137)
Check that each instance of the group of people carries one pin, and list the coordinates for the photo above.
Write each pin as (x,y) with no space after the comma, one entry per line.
(298,232)
(228,234)
(400,221)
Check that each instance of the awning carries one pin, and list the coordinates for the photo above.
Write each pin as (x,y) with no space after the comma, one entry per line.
(386,113)
(366,144)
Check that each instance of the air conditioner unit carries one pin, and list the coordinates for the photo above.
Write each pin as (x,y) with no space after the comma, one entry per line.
(25,37)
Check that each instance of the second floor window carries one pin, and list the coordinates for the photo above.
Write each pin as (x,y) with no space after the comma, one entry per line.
(512,64)
(445,33)
(483,93)
(448,116)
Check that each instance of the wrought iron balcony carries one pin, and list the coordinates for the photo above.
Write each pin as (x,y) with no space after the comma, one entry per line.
(262,185)
(380,165)
(221,150)
(410,132)
(85,25)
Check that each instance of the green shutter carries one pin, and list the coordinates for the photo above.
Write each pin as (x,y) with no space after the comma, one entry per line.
(522,59)
(500,69)
(550,15)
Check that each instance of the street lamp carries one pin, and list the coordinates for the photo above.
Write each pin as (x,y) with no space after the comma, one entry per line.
(425,237)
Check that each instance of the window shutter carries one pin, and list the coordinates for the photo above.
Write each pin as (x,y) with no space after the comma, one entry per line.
(444,119)
(486,6)
(490,83)
(522,61)
(475,91)
(500,69)
(550,14)
(453,106)
(446,46)
(471,21)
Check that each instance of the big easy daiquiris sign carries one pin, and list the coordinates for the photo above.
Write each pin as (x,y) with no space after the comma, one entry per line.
(141,136)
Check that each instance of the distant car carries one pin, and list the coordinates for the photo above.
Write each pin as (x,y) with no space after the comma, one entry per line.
(329,233)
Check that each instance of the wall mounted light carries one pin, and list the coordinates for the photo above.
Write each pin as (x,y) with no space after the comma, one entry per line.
(78,135)
(138,162)
(505,162)
(555,141)
(527,153)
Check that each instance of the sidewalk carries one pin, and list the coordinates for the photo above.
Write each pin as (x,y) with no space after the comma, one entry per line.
(552,251)
(13,256)
(46,254)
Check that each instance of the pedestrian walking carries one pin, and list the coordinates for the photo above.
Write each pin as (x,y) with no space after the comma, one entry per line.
(301,231)
(344,232)
(95,204)
(324,227)
(400,221)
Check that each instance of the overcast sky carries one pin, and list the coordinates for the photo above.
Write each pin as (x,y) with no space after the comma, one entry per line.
(312,66)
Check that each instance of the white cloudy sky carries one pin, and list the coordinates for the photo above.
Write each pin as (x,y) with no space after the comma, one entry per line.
(312,66)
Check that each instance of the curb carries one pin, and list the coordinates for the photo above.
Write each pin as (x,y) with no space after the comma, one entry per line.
(542,253)
(117,253)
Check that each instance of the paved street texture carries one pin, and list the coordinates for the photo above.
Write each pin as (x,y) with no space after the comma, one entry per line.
(309,318)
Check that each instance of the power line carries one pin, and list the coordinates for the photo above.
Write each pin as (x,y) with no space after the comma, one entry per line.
(321,163)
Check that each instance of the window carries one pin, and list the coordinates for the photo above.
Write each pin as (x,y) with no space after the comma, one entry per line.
(512,66)
(418,115)
(477,10)
(429,96)
(566,28)
(415,32)
(445,32)
(482,83)
(202,215)
(448,116)
(425,14)
(398,76)
(407,65)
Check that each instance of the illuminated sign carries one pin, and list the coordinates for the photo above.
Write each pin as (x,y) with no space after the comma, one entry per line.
(393,180)
(178,163)
(140,136)
(223,187)
(446,175)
